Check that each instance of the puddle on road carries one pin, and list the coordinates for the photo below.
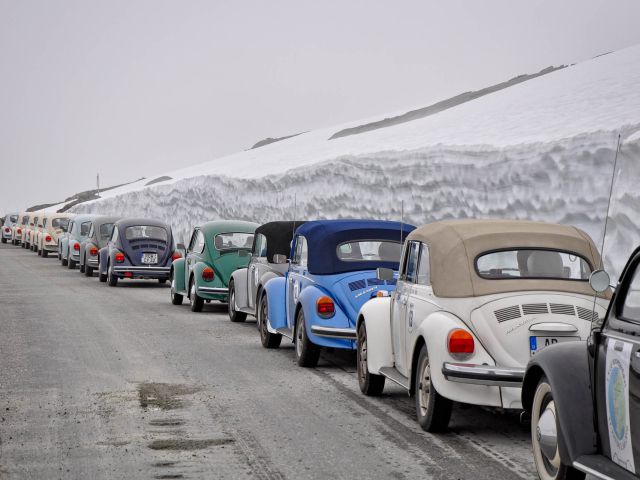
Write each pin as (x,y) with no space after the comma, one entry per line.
(162,396)
(186,444)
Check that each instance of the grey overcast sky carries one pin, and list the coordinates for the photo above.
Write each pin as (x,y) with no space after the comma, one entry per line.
(132,88)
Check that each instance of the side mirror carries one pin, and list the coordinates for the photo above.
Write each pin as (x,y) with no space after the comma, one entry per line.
(279,259)
(599,281)
(384,274)
(244,253)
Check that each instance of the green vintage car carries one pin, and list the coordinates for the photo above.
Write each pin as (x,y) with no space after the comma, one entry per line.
(215,251)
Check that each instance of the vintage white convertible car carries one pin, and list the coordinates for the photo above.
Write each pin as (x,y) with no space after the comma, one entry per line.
(475,300)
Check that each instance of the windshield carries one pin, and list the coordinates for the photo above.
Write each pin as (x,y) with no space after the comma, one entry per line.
(369,250)
(61,223)
(531,263)
(233,241)
(146,231)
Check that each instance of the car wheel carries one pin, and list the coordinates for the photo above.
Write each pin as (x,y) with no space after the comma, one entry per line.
(545,438)
(45,254)
(162,281)
(196,302)
(176,298)
(112,280)
(64,262)
(88,271)
(307,353)
(370,383)
(102,277)
(234,315)
(39,252)
(432,409)
(71,265)
(82,265)
(4,240)
(268,339)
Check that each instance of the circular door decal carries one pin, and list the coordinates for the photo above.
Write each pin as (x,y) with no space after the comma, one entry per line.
(616,389)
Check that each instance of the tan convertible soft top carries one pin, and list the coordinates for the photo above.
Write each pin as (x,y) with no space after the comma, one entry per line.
(454,246)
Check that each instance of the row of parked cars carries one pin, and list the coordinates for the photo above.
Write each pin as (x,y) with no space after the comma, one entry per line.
(505,314)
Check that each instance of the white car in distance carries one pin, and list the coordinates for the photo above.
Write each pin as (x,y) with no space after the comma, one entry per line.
(475,299)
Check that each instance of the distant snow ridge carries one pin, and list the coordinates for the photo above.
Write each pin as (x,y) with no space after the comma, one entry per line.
(565,181)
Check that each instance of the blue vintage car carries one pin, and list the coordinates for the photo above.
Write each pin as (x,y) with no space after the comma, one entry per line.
(138,248)
(331,274)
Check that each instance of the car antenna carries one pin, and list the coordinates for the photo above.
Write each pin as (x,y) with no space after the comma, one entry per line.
(295,204)
(401,219)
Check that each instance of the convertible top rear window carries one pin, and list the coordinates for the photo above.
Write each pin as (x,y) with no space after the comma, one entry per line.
(532,263)
(369,251)
(60,223)
(146,231)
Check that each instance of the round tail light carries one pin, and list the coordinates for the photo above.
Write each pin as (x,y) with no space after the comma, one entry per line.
(19,230)
(325,307)
(93,251)
(460,343)
(76,246)
(207,274)
(176,255)
(119,257)
(47,238)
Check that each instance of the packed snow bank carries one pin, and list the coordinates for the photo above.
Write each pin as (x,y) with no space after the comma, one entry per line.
(541,150)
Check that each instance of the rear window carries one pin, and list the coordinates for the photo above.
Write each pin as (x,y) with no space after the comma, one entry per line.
(84,229)
(369,250)
(533,263)
(61,223)
(233,241)
(105,230)
(13,218)
(146,231)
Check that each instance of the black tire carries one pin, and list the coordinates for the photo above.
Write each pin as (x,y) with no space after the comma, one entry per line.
(45,254)
(234,315)
(71,264)
(307,353)
(102,277)
(4,240)
(162,281)
(39,252)
(196,302)
(548,469)
(432,409)
(64,261)
(268,339)
(82,265)
(112,280)
(88,271)
(370,383)
(176,298)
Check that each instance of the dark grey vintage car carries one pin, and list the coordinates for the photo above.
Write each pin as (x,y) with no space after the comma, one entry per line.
(99,235)
(584,400)
(271,247)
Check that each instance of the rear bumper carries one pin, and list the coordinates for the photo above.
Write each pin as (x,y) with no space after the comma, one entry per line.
(6,235)
(50,248)
(483,374)
(213,290)
(92,262)
(131,271)
(334,332)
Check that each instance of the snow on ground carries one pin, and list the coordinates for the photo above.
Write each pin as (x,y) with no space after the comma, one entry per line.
(543,149)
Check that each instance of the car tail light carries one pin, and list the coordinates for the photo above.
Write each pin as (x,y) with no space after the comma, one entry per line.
(47,238)
(325,307)
(76,246)
(119,257)
(207,274)
(7,229)
(460,343)
(19,230)
(176,255)
(93,251)
(128,274)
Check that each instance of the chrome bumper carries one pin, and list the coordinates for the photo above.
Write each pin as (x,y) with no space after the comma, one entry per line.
(92,262)
(333,332)
(483,374)
(141,270)
(213,290)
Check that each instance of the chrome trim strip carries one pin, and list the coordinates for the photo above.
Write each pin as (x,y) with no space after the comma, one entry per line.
(621,338)
(591,471)
(213,290)
(92,262)
(552,327)
(483,374)
(127,268)
(332,332)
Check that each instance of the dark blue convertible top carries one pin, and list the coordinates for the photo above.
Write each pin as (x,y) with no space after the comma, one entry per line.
(324,236)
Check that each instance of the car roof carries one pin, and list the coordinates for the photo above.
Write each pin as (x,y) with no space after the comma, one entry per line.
(131,221)
(221,226)
(279,235)
(454,246)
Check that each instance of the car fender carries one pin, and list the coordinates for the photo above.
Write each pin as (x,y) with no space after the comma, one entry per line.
(197,275)
(261,283)
(177,268)
(307,300)
(566,367)
(239,278)
(276,314)
(103,255)
(376,315)
(433,332)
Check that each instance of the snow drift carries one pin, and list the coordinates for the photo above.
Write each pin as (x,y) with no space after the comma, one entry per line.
(541,150)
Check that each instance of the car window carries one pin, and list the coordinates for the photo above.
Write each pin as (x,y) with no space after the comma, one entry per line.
(260,246)
(136,232)
(13,218)
(369,250)
(72,227)
(104,232)
(35,222)
(233,241)
(61,223)
(25,220)
(410,273)
(114,236)
(192,242)
(199,242)
(424,268)
(532,263)
(301,253)
(84,228)
(631,306)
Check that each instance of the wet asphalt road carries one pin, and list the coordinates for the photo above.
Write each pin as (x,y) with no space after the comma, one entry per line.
(100,382)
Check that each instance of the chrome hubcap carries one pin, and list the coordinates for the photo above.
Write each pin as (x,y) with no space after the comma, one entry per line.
(232,301)
(362,350)
(192,296)
(547,435)
(299,338)
(263,318)
(425,386)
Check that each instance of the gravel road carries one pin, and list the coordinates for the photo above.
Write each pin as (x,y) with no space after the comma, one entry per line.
(100,382)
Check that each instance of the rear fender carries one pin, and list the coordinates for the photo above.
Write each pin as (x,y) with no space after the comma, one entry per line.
(177,268)
(376,315)
(566,367)
(196,273)
(275,290)
(103,255)
(239,278)
(433,331)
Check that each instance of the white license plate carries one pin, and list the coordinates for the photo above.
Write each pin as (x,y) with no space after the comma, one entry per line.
(149,258)
(538,343)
